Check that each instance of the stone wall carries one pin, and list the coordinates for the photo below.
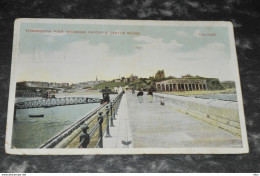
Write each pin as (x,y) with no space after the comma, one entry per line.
(221,114)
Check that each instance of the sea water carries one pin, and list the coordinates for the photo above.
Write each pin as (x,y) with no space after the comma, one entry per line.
(225,97)
(32,132)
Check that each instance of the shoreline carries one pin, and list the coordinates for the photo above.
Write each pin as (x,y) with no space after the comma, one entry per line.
(86,92)
(202,92)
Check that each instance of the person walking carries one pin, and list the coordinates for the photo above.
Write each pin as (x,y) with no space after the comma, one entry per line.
(140,96)
(150,96)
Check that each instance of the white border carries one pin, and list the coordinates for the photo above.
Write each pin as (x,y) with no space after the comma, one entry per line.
(118,151)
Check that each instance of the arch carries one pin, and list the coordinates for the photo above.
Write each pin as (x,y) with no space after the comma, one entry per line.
(186,87)
(174,87)
(197,86)
(159,87)
(163,87)
(182,86)
(179,87)
(171,87)
(190,87)
(167,87)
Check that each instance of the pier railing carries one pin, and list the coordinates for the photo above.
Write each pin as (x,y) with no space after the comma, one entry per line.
(95,120)
(111,111)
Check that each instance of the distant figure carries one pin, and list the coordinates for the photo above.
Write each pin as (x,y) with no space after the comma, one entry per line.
(140,96)
(150,96)
(106,98)
(84,137)
(105,93)
(162,101)
(133,91)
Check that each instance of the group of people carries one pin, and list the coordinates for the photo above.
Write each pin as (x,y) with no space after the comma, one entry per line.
(140,96)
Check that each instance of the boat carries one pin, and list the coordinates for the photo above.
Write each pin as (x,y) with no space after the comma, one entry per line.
(36,115)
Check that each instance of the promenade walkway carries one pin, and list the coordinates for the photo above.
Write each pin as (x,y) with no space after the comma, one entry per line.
(121,136)
(150,125)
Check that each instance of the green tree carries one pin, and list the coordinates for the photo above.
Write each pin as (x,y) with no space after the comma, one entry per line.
(160,74)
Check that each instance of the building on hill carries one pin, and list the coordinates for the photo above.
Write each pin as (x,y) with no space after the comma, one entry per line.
(117,80)
(127,80)
(187,76)
(133,78)
(182,85)
(58,85)
(189,84)
(123,79)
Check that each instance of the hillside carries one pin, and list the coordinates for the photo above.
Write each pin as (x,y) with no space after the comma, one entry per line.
(110,85)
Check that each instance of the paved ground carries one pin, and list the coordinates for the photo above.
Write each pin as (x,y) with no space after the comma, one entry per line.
(121,136)
(150,125)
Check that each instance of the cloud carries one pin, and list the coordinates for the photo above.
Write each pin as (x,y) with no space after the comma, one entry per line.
(209,61)
(216,45)
(213,51)
(75,52)
(50,39)
(196,33)
(78,60)
(149,43)
(182,34)
(81,61)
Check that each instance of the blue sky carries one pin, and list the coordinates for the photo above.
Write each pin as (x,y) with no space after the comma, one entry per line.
(73,58)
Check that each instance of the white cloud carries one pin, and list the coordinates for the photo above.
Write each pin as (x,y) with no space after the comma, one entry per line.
(212,51)
(182,34)
(157,43)
(216,45)
(208,61)
(77,60)
(78,51)
(197,33)
(81,61)
(50,39)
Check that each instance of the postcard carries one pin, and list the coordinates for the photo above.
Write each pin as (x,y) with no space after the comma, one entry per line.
(86,87)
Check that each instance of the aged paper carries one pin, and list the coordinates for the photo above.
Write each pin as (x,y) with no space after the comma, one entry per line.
(82,87)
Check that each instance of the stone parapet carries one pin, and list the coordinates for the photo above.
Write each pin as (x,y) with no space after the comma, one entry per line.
(221,114)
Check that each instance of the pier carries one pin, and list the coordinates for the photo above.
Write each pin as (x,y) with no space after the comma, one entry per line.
(179,122)
(169,127)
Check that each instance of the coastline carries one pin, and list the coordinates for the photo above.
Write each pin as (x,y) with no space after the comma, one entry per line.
(85,92)
(202,92)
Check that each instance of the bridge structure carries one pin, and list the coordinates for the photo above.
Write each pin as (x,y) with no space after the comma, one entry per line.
(52,102)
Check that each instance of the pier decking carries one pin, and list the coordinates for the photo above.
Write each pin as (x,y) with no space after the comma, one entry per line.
(150,125)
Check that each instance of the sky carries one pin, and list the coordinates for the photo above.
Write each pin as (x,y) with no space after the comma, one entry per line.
(78,57)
